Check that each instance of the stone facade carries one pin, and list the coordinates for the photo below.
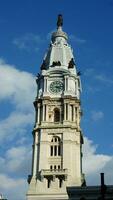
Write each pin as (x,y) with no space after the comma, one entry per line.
(57,136)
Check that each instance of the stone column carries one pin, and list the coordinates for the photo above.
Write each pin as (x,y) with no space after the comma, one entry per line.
(45,84)
(77,114)
(64,111)
(65,82)
(43,111)
(69,113)
(77,89)
(35,152)
(46,112)
(74,113)
(38,113)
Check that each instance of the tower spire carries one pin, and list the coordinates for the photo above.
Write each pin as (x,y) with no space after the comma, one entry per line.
(59,21)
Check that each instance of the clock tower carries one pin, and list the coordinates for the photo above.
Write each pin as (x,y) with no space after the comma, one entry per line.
(57,136)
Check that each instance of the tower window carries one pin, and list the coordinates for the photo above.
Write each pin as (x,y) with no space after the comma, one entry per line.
(60,183)
(51,150)
(55,146)
(55,150)
(56,115)
(66,111)
(45,114)
(58,167)
(55,167)
(59,151)
(48,183)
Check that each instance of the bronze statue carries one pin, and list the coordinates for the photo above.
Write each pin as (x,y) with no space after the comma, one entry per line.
(60,20)
(56,63)
(71,63)
(43,66)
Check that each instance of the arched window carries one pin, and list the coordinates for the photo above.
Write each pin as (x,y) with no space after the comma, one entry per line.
(56,115)
(55,146)
(58,167)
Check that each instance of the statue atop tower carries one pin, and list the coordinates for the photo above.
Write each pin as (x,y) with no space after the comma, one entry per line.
(60,20)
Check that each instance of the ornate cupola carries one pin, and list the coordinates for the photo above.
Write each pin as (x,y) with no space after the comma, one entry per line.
(59,52)
(57,136)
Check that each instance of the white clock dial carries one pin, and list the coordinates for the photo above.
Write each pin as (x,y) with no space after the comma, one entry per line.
(56,86)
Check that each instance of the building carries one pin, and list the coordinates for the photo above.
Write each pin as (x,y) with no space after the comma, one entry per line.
(57,145)
(57,136)
(1,197)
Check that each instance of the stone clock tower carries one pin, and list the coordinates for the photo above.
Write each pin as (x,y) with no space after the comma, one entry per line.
(57,136)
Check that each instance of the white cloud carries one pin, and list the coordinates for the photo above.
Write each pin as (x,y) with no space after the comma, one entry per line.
(16,160)
(28,42)
(17,86)
(77,39)
(89,72)
(98,76)
(50,34)
(97,115)
(22,140)
(104,79)
(94,77)
(12,188)
(15,124)
(19,89)
(94,164)
(15,165)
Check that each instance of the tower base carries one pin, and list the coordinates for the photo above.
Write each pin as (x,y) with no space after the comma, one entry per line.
(36,191)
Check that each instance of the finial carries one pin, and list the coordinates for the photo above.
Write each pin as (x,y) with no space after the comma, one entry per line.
(60,20)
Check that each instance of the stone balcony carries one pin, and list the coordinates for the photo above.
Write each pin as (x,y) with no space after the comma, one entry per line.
(54,173)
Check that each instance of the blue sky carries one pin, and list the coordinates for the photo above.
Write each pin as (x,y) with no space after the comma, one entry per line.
(25,28)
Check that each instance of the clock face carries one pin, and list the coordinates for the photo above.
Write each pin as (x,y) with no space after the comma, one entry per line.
(56,86)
